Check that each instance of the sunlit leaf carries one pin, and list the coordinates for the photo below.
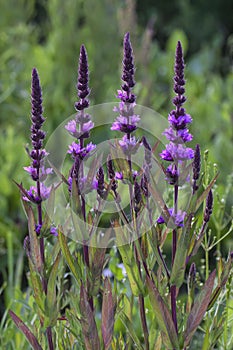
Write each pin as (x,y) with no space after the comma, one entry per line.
(87,321)
(73,265)
(51,309)
(108,314)
(199,308)
(129,326)
(163,315)
(34,241)
(178,268)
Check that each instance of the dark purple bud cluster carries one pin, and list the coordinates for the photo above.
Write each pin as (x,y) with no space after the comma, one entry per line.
(128,71)
(111,174)
(100,180)
(196,167)
(137,197)
(209,207)
(144,185)
(82,85)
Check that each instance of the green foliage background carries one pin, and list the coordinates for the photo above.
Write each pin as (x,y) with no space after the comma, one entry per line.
(48,34)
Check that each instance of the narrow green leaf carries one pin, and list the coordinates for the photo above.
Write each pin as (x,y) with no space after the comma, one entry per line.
(152,237)
(96,268)
(178,268)
(127,255)
(120,161)
(26,331)
(163,315)
(34,252)
(199,308)
(37,287)
(75,198)
(59,174)
(73,265)
(51,309)
(129,326)
(108,314)
(132,271)
(87,321)
(49,209)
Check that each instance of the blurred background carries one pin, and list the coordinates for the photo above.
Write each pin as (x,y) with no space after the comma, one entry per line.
(47,35)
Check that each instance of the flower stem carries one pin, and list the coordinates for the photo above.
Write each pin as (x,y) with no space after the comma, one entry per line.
(143,320)
(44,282)
(174,245)
(173,306)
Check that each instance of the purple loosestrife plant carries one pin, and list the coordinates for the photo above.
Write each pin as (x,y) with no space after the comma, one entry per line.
(34,243)
(127,123)
(177,153)
(127,120)
(80,151)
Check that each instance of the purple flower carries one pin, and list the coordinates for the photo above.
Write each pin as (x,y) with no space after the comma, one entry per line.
(178,136)
(178,218)
(129,146)
(43,172)
(53,231)
(119,175)
(84,184)
(72,128)
(179,120)
(76,150)
(176,152)
(32,194)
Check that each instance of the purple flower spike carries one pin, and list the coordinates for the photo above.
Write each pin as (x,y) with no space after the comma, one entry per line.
(177,133)
(37,110)
(80,129)
(37,135)
(127,120)
(37,169)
